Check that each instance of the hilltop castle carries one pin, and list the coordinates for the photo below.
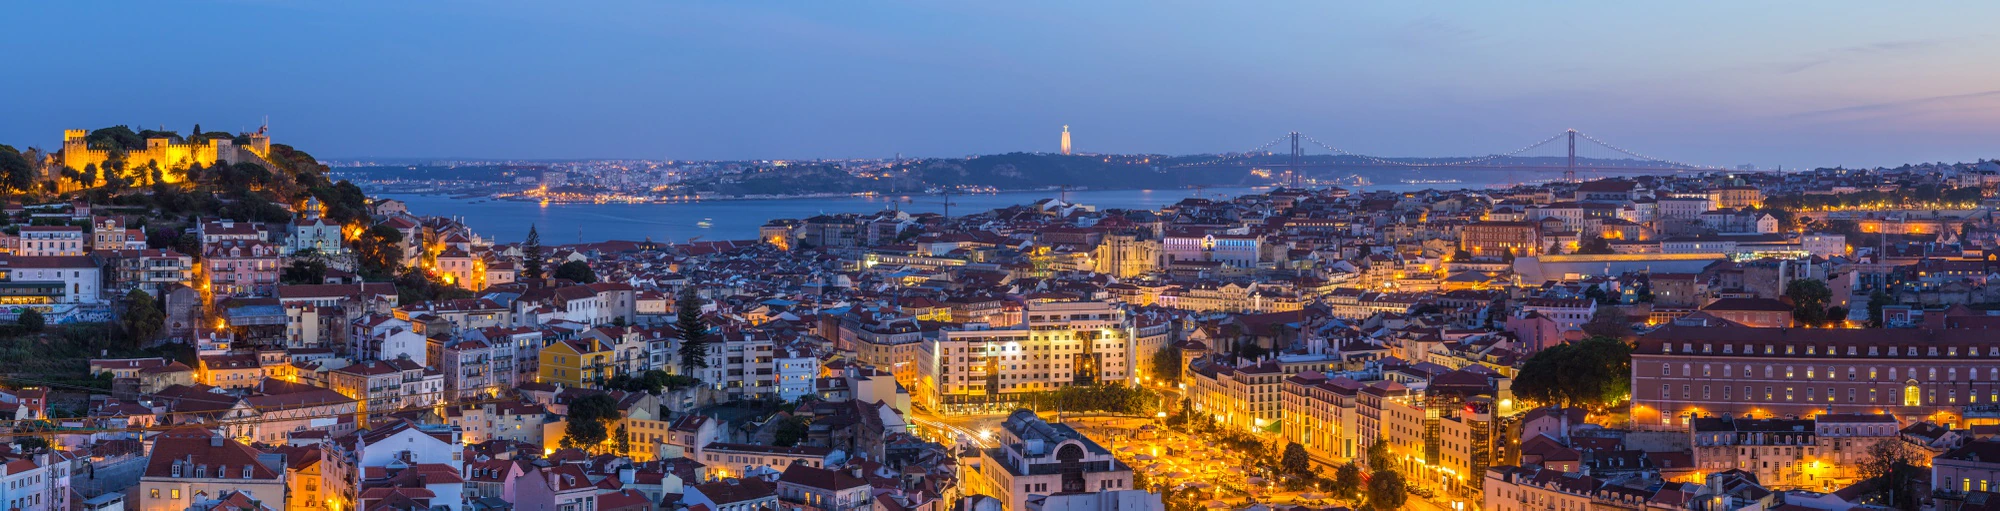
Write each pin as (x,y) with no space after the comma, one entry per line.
(77,153)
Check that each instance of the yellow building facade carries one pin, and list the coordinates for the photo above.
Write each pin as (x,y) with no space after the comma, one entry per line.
(578,363)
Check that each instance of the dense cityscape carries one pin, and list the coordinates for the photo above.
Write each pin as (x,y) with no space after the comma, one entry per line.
(1638,342)
(628,255)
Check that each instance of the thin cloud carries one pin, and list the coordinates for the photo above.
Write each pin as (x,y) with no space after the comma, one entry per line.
(1895,107)
(1433,31)
(1824,57)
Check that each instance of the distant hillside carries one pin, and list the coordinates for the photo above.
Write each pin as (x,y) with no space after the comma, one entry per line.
(1011,171)
(1034,170)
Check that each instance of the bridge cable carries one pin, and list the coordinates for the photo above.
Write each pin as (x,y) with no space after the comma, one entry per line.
(1267,145)
(1607,145)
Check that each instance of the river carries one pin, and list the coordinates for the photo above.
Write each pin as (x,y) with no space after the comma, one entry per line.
(508,221)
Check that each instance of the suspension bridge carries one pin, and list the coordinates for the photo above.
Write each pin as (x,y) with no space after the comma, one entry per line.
(1526,158)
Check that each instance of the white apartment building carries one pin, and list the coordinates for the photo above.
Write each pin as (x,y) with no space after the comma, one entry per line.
(50,279)
(1058,344)
(797,372)
(51,240)
(740,363)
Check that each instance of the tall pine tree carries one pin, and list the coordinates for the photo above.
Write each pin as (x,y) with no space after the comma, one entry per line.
(531,254)
(694,332)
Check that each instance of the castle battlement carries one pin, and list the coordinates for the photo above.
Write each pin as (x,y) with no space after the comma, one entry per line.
(77,153)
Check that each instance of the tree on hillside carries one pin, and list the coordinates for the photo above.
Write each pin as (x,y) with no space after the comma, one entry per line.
(1595,373)
(1896,469)
(531,255)
(693,330)
(576,271)
(142,318)
(622,439)
(305,270)
(1387,490)
(587,418)
(1876,300)
(379,250)
(1809,300)
(1167,365)
(1595,245)
(1609,322)
(31,320)
(16,172)
(1295,462)
(1346,481)
(1378,456)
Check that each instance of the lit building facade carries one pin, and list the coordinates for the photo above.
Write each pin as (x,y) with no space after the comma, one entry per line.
(1820,453)
(1058,345)
(1495,240)
(1038,458)
(1682,371)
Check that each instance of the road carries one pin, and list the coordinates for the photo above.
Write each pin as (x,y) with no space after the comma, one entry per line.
(950,430)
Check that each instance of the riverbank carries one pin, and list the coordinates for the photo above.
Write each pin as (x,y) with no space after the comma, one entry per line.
(508,221)
(503,196)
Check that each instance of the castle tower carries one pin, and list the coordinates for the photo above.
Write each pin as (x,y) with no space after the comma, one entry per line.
(76,151)
(1065,139)
(260,142)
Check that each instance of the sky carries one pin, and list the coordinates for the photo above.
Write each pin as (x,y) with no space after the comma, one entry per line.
(1798,84)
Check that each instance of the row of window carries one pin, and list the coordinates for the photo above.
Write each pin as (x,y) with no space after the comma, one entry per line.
(1813,350)
(1912,395)
(1811,372)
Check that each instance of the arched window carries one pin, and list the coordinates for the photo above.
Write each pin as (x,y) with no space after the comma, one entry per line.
(1911,396)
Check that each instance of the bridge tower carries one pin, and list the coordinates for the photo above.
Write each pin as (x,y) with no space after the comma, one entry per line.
(1295,159)
(1569,171)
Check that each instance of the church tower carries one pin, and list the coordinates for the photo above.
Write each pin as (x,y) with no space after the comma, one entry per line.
(1065,140)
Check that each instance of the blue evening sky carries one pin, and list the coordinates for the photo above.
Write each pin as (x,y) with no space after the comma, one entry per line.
(1771,83)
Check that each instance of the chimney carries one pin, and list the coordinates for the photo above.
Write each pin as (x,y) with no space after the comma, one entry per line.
(855,471)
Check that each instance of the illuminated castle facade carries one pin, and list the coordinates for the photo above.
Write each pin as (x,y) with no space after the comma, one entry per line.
(77,153)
